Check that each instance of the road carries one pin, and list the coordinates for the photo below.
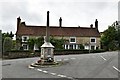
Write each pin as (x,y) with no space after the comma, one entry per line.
(99,65)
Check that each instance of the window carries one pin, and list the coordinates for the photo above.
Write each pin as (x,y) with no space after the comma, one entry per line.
(25,38)
(93,40)
(71,46)
(25,47)
(72,39)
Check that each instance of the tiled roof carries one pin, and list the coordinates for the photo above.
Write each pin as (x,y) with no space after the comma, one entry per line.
(58,31)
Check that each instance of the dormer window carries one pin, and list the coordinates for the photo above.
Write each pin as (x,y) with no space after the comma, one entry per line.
(72,39)
(25,38)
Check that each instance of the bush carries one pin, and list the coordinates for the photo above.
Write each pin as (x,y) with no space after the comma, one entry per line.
(19,51)
(63,51)
(27,53)
(31,43)
(7,45)
(97,51)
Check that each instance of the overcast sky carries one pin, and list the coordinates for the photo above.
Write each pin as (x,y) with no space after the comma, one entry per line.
(73,13)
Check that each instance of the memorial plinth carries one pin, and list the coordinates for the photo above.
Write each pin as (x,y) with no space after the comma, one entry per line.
(47,51)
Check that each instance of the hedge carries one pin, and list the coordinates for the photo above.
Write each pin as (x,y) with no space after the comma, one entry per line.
(25,54)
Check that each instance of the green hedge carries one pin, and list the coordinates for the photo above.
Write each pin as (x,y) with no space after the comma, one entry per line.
(27,53)
(66,52)
(19,51)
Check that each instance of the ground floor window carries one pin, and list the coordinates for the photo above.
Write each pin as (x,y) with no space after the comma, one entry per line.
(71,46)
(25,46)
(80,46)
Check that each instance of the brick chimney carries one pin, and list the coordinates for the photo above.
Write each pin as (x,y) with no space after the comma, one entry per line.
(60,22)
(96,24)
(18,22)
(91,26)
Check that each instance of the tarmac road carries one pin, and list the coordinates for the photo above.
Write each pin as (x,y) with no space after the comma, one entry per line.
(96,65)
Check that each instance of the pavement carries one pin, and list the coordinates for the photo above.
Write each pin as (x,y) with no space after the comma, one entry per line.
(94,65)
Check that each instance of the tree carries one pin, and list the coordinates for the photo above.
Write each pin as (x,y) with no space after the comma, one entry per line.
(4,35)
(108,40)
(39,41)
(14,45)
(118,38)
(81,46)
(7,44)
(31,43)
(11,35)
(58,43)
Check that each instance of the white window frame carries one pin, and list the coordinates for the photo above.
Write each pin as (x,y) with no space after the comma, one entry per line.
(70,39)
(23,38)
(92,38)
(23,47)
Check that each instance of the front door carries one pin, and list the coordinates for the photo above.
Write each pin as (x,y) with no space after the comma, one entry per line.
(92,47)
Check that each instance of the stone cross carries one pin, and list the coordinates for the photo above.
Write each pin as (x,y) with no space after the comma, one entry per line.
(47,28)
(47,47)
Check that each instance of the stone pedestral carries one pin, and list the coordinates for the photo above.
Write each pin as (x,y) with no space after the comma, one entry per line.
(47,52)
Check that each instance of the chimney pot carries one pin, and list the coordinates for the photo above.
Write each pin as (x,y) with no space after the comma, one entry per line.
(91,25)
(96,24)
(60,22)
(23,23)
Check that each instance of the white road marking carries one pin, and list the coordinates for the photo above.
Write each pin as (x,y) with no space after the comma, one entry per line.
(32,64)
(30,67)
(61,75)
(53,73)
(45,71)
(72,58)
(36,65)
(66,59)
(103,58)
(116,69)
(39,69)
(59,60)
(70,78)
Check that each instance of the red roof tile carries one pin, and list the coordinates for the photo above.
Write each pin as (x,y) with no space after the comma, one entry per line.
(58,31)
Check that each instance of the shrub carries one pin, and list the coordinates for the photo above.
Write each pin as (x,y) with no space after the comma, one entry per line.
(31,43)
(7,44)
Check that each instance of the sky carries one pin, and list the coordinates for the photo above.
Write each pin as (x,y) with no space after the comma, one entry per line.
(74,13)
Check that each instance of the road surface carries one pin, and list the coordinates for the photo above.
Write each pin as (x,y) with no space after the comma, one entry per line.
(96,65)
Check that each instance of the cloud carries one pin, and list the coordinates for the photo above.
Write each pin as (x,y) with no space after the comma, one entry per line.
(11,10)
(73,12)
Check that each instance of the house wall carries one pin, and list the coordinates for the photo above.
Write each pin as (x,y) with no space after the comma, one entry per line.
(83,40)
(79,40)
